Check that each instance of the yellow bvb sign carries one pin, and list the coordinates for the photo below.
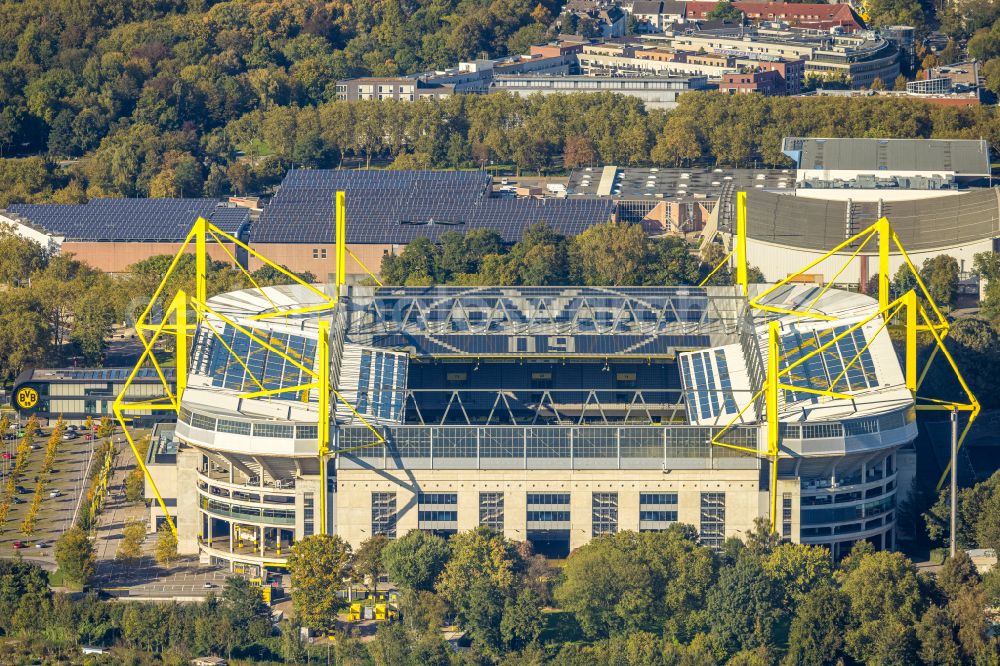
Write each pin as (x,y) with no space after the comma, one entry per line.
(27,397)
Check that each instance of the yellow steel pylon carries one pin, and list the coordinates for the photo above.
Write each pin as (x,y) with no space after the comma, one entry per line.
(178,323)
(918,318)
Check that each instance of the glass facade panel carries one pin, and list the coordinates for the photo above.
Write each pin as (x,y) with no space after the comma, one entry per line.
(604,517)
(384,514)
(491,510)
(713,519)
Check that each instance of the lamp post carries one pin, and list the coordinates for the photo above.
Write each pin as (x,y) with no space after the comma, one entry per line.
(954,481)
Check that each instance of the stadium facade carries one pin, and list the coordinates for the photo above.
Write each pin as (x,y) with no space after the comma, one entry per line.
(553,414)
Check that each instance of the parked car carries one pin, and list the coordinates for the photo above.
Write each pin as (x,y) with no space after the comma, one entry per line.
(55,493)
(19,545)
(41,544)
(20,490)
(16,500)
(6,455)
(69,435)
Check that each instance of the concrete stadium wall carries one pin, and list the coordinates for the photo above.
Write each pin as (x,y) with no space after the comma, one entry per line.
(744,498)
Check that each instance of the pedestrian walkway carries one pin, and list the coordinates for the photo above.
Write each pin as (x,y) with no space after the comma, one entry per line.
(145,577)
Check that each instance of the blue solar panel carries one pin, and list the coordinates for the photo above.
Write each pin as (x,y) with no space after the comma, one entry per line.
(270,369)
(825,371)
(528,320)
(132,219)
(708,388)
(399,206)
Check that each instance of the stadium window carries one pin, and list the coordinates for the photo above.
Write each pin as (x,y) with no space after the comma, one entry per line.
(308,512)
(491,510)
(384,514)
(713,519)
(786,516)
(605,513)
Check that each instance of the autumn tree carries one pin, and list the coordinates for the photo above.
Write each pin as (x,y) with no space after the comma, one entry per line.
(133,536)
(578,152)
(481,582)
(166,545)
(319,567)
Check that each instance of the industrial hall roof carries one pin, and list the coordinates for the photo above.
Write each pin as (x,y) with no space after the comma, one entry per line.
(394,207)
(963,157)
(134,220)
(921,224)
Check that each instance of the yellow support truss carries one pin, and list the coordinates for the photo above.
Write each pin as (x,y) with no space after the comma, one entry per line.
(922,315)
(185,313)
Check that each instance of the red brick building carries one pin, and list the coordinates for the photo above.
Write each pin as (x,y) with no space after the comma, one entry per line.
(820,16)
(766,82)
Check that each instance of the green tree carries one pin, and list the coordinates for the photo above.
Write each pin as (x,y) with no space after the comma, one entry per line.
(416,264)
(957,574)
(744,607)
(415,560)
(799,570)
(882,615)
(725,11)
(249,618)
(481,582)
(318,566)
(816,635)
(367,564)
(609,589)
(21,583)
(613,254)
(936,634)
(135,486)
(940,274)
(293,649)
(897,12)
(74,554)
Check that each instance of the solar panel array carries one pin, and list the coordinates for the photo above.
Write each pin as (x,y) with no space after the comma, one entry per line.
(380,383)
(534,320)
(820,370)
(708,386)
(167,220)
(398,206)
(272,370)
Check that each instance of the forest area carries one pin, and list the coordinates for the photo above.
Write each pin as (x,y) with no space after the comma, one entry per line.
(192,98)
(628,599)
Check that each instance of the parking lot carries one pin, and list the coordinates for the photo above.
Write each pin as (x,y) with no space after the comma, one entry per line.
(68,477)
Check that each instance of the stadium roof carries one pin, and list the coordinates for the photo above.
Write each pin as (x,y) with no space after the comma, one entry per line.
(921,224)
(397,206)
(138,220)
(636,183)
(963,157)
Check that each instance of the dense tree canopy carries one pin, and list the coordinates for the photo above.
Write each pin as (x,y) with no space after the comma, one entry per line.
(250,149)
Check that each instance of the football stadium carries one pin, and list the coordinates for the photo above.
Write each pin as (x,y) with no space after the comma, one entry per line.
(552,414)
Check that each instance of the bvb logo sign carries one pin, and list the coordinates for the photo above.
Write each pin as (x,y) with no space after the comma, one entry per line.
(27,398)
